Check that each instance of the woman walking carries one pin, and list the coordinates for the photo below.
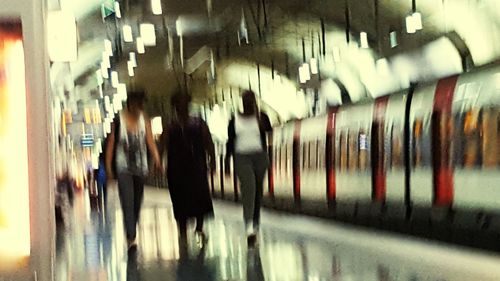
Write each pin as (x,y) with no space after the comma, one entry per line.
(248,144)
(189,148)
(127,146)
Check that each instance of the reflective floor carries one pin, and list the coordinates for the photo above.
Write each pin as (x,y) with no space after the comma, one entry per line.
(91,246)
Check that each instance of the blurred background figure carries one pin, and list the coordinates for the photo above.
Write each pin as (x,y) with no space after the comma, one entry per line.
(127,146)
(247,142)
(100,177)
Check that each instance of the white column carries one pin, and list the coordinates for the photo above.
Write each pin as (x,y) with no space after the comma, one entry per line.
(40,138)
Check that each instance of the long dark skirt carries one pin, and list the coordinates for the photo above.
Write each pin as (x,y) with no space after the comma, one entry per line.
(190,195)
(187,171)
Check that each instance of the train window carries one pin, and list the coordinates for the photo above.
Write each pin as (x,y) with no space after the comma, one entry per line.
(489,132)
(312,155)
(363,153)
(343,155)
(471,139)
(305,155)
(289,156)
(277,158)
(459,141)
(396,147)
(417,143)
(353,155)
(320,154)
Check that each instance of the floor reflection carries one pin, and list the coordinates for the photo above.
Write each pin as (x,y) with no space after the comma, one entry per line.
(92,247)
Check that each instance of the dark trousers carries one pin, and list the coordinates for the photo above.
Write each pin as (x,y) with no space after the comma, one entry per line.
(251,170)
(183,225)
(131,192)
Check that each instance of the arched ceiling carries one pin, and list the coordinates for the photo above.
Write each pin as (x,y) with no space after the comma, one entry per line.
(279,33)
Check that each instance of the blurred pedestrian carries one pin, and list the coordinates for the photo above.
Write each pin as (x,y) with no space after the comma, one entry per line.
(248,144)
(127,146)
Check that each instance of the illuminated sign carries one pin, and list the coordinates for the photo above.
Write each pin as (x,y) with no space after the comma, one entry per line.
(14,186)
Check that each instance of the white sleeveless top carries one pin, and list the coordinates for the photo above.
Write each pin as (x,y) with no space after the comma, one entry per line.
(247,134)
(131,154)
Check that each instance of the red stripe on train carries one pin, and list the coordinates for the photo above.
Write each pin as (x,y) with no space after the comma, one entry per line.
(379,179)
(331,183)
(442,133)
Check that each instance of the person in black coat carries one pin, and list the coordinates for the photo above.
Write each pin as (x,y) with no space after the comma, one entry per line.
(189,148)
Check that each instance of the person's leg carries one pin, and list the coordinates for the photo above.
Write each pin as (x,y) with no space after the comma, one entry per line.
(199,223)
(246,175)
(261,163)
(105,192)
(126,194)
(182,226)
(138,196)
(201,237)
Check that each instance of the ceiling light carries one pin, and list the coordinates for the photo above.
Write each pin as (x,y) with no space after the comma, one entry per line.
(114,79)
(148,35)
(62,40)
(108,47)
(130,66)
(117,103)
(118,12)
(212,64)
(127,33)
(140,46)
(107,103)
(156,126)
(106,60)
(98,75)
(178,27)
(393,38)
(417,20)
(364,40)
(410,24)
(307,69)
(122,91)
(107,126)
(314,66)
(104,71)
(133,58)
(156,7)
(304,73)
(302,76)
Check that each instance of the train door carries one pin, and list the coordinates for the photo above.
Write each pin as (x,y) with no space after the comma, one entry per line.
(421,180)
(353,154)
(393,156)
(312,177)
(283,178)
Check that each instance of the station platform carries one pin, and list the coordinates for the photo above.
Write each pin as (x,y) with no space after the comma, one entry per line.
(91,246)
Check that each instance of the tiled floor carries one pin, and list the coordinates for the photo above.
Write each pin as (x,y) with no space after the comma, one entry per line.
(92,247)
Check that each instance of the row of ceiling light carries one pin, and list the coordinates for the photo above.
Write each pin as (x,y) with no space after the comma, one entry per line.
(147,37)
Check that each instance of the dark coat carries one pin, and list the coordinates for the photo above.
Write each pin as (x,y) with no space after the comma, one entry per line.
(187,171)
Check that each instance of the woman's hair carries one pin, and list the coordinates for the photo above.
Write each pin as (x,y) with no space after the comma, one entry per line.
(248,93)
(178,96)
(136,96)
